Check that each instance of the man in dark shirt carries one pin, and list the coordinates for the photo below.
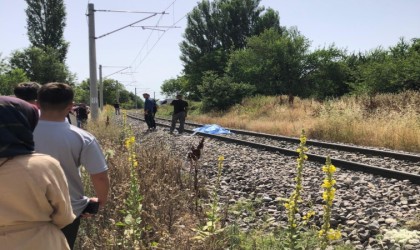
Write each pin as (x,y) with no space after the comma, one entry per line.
(82,112)
(117,108)
(180,113)
(149,106)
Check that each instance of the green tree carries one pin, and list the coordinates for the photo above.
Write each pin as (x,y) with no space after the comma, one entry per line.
(327,73)
(82,92)
(9,79)
(274,63)
(40,65)
(220,93)
(3,65)
(214,30)
(46,20)
(377,74)
(112,90)
(406,56)
(173,86)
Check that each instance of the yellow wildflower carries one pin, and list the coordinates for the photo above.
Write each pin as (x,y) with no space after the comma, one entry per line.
(333,234)
(331,169)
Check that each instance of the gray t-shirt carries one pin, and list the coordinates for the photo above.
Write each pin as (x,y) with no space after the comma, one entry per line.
(72,147)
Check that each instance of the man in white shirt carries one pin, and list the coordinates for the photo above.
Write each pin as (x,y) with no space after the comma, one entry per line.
(72,147)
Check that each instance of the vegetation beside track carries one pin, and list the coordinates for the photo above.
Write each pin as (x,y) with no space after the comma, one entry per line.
(386,120)
(161,213)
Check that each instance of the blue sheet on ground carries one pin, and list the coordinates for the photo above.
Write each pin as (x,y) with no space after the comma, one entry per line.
(213,129)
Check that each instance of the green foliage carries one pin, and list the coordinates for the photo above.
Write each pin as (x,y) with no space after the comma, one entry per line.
(214,30)
(327,73)
(113,91)
(239,39)
(10,79)
(46,20)
(174,85)
(220,93)
(81,92)
(41,65)
(388,71)
(273,62)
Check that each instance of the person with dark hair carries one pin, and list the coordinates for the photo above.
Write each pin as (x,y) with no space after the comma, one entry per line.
(82,113)
(117,108)
(72,147)
(27,91)
(149,114)
(34,200)
(179,114)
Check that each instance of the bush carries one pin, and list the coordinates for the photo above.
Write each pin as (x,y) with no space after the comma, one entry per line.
(220,93)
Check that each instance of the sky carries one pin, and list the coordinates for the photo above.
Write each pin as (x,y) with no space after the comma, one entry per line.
(148,56)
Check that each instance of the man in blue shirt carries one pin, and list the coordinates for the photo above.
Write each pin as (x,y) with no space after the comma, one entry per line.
(149,106)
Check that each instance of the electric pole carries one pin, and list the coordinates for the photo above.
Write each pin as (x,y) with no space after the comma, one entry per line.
(101,89)
(135,96)
(92,64)
(92,55)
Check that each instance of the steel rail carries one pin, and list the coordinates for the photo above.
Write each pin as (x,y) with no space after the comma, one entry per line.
(349,148)
(354,166)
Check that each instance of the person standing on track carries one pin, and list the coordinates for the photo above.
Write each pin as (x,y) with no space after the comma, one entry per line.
(149,114)
(179,114)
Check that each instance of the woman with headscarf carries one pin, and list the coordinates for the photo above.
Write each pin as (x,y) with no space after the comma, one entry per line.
(34,196)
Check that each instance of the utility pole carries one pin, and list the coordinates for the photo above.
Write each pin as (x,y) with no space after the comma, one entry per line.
(92,64)
(118,91)
(92,55)
(135,96)
(101,89)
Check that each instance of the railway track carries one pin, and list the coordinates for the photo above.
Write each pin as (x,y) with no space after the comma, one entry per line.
(386,163)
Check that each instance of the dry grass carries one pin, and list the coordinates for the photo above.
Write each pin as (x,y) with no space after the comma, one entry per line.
(167,207)
(390,121)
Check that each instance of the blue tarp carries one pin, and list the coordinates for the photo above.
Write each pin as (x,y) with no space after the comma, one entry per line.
(212,129)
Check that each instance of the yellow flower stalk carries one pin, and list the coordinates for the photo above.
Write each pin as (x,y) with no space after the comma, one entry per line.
(133,202)
(326,233)
(295,198)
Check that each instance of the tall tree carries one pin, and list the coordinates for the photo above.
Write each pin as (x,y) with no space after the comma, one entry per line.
(10,79)
(273,62)
(214,30)
(41,66)
(173,86)
(46,20)
(327,73)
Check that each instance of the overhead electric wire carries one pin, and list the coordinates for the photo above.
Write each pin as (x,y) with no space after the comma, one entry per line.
(165,28)
(117,72)
(128,11)
(109,33)
(159,38)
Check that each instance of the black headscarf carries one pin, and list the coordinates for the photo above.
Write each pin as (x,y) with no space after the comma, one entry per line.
(18,119)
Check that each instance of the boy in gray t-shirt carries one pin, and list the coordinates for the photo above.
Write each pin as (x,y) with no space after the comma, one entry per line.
(72,147)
